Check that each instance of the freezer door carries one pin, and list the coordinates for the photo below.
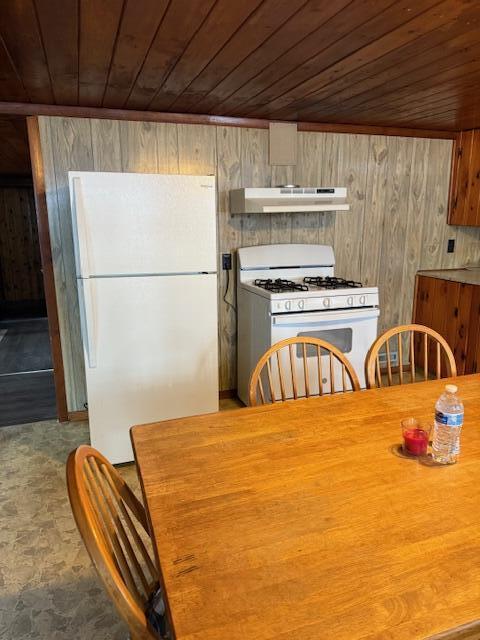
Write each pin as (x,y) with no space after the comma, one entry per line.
(150,353)
(133,223)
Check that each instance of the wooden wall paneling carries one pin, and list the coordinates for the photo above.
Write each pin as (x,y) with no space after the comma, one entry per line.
(138,147)
(351,173)
(327,172)
(281,223)
(106,150)
(434,230)
(167,148)
(239,157)
(417,204)
(71,142)
(196,149)
(305,226)
(394,230)
(467,246)
(374,209)
(229,176)
(256,172)
(43,174)
(20,263)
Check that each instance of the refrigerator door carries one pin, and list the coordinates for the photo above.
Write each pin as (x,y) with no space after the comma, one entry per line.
(134,223)
(150,353)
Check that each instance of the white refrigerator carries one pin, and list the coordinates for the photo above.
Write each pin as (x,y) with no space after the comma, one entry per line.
(145,253)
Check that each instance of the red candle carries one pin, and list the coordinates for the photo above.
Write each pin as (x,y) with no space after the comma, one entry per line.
(415,441)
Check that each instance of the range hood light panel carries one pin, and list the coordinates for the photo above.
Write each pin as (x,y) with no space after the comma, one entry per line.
(288,199)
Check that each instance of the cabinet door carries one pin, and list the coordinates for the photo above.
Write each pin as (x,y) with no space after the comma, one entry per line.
(444,306)
(465,184)
(472,363)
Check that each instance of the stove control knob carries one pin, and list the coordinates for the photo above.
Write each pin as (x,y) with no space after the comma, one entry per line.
(363,299)
(326,302)
(301,304)
(288,305)
(350,301)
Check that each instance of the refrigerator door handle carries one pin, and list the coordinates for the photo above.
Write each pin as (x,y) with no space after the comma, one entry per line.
(80,228)
(88,320)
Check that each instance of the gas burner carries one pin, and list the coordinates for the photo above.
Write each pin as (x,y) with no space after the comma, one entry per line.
(329,282)
(279,285)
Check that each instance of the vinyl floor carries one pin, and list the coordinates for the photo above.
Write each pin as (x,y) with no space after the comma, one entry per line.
(25,397)
(48,587)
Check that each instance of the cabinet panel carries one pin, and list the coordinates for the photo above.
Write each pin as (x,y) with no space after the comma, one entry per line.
(465,184)
(447,307)
(472,363)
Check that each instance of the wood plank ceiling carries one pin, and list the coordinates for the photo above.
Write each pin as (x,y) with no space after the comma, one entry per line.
(410,63)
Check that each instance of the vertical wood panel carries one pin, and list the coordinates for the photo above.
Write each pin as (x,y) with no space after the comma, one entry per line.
(351,173)
(256,172)
(229,176)
(398,190)
(70,143)
(374,209)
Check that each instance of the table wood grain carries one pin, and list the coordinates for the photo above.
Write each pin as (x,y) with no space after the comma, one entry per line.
(299,520)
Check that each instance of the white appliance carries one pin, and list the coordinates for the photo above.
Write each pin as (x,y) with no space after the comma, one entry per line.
(145,251)
(288,290)
(288,199)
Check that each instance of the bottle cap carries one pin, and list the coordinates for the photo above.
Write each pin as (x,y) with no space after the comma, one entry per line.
(451,388)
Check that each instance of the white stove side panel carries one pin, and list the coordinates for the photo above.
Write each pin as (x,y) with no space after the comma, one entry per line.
(253,336)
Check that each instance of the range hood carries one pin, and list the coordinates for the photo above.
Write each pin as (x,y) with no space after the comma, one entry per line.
(288,199)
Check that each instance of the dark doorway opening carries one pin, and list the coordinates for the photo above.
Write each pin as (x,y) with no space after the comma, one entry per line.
(27,392)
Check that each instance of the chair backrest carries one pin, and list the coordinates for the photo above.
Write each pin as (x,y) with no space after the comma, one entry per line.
(427,352)
(107,514)
(323,370)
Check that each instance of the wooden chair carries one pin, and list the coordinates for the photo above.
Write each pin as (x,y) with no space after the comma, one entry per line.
(106,512)
(427,354)
(281,381)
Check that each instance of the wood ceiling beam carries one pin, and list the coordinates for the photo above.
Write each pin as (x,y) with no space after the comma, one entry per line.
(28,109)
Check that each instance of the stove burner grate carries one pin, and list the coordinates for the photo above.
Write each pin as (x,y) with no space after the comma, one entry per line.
(329,282)
(279,285)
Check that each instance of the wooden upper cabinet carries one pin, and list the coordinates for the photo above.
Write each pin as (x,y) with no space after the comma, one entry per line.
(465,186)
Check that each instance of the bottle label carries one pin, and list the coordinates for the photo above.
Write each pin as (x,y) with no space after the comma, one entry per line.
(450,419)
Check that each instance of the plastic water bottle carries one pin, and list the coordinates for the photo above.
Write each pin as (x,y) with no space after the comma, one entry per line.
(448,424)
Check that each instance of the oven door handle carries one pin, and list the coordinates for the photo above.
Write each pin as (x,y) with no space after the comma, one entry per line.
(322,317)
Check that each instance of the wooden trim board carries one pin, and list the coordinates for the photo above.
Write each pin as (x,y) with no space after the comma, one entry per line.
(28,109)
(47,266)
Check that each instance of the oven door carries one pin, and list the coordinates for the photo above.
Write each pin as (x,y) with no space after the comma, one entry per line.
(352,332)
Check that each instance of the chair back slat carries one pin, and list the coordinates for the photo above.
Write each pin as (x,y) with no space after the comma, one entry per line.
(110,519)
(149,583)
(412,355)
(389,365)
(425,355)
(293,371)
(400,358)
(425,345)
(305,369)
(280,377)
(319,371)
(270,382)
(332,372)
(308,349)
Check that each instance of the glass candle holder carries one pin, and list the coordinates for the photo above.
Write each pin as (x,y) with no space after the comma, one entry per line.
(415,437)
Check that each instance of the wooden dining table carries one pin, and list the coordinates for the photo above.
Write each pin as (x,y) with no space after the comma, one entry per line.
(303,520)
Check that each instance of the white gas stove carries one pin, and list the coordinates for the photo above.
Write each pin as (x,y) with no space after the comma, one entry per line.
(286,290)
